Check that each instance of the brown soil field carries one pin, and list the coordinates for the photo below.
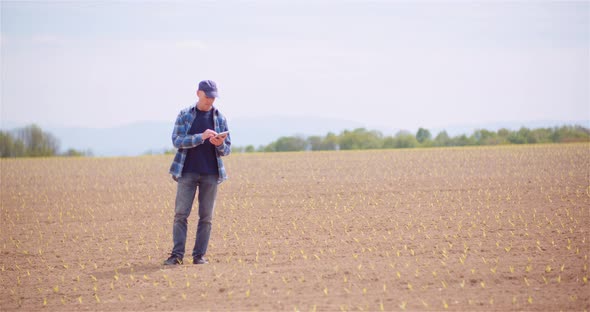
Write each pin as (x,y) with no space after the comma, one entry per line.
(470,229)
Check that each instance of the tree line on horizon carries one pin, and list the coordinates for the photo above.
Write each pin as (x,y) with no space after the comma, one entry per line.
(362,138)
(32,141)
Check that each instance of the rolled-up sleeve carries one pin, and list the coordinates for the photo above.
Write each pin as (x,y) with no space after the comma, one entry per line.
(225,148)
(180,138)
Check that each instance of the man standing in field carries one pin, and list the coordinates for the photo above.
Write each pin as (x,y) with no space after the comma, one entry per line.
(197,165)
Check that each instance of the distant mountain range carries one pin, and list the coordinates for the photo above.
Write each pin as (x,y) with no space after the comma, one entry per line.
(155,136)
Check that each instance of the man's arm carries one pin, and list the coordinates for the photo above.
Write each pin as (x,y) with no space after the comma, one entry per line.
(182,140)
(223,146)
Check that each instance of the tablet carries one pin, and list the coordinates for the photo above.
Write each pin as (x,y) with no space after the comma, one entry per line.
(222,134)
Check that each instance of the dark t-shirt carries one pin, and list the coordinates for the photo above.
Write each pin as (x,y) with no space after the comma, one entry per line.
(202,158)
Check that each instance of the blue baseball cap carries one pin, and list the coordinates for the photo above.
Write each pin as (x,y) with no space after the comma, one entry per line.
(209,87)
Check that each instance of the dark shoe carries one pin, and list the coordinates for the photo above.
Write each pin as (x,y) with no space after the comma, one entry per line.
(200,260)
(173,260)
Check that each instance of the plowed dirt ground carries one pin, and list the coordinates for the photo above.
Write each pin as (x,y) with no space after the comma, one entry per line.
(472,229)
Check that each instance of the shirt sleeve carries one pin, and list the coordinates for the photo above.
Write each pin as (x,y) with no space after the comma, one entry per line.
(180,138)
(225,148)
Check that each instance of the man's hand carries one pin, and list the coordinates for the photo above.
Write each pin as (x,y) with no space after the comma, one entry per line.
(208,134)
(217,140)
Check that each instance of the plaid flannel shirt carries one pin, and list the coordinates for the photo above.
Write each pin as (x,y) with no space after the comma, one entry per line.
(183,141)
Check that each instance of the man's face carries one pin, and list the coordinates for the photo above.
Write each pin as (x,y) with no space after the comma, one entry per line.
(205,103)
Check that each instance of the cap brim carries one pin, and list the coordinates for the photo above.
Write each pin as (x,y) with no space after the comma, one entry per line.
(212,94)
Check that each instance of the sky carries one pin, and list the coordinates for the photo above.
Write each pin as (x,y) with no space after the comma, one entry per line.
(401,64)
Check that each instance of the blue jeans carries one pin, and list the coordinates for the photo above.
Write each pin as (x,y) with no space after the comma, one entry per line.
(185,195)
